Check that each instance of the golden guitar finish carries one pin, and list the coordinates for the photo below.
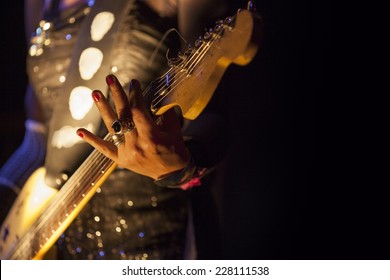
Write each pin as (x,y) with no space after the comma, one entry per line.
(237,44)
(41,214)
(31,201)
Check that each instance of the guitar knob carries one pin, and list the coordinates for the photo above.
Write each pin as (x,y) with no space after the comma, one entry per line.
(188,51)
(217,28)
(207,36)
(251,6)
(198,42)
(228,21)
(181,55)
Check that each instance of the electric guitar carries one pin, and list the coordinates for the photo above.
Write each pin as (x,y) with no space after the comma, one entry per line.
(41,214)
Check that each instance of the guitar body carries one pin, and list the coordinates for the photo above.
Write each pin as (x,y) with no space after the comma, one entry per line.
(31,201)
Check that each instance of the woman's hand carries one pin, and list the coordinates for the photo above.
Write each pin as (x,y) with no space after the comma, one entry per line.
(148,149)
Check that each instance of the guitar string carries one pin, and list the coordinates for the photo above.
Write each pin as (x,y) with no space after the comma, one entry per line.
(53,205)
(67,196)
(183,75)
(36,227)
(95,157)
(194,54)
(187,63)
(69,193)
(69,199)
(219,32)
(191,62)
(197,56)
(66,208)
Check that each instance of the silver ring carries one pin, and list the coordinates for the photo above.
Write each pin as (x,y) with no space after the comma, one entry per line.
(121,126)
(118,139)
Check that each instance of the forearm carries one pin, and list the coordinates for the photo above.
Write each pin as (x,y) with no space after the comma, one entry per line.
(26,159)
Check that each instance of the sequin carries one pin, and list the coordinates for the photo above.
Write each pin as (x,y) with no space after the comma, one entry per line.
(59,67)
(33,50)
(46,26)
(38,31)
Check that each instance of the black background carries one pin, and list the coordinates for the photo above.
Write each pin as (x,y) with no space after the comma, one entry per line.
(291,190)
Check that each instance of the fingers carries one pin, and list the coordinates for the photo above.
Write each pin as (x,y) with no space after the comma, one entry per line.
(105,147)
(133,108)
(119,96)
(171,122)
(141,117)
(107,113)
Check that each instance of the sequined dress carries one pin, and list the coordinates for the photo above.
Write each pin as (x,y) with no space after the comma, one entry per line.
(129,217)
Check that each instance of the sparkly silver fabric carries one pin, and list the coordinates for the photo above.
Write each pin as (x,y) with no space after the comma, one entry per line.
(130,217)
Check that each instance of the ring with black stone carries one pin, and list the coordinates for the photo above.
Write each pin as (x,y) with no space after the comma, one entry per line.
(121,126)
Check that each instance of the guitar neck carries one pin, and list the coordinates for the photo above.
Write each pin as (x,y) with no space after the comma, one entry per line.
(64,207)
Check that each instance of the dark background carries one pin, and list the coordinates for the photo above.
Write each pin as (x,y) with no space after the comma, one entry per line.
(13,77)
(290,190)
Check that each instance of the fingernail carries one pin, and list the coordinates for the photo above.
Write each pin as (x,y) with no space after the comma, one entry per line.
(80,134)
(110,79)
(96,95)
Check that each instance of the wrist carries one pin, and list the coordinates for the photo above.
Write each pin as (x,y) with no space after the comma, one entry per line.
(185,178)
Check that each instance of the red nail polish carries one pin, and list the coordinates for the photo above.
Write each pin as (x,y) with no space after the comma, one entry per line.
(96,95)
(80,134)
(110,79)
